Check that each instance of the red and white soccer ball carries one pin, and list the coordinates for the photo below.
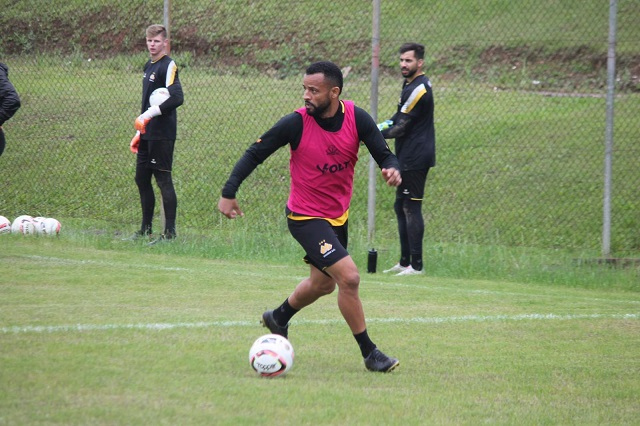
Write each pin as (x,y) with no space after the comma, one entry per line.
(47,226)
(5,225)
(158,96)
(29,225)
(271,355)
(23,224)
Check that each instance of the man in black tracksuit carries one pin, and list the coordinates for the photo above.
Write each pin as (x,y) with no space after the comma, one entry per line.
(413,129)
(9,101)
(156,135)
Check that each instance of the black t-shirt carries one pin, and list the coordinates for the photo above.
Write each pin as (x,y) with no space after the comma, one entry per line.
(162,73)
(416,143)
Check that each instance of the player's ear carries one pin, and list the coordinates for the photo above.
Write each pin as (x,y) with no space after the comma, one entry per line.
(335,92)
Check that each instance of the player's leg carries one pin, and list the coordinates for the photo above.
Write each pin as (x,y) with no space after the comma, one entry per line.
(345,273)
(405,248)
(415,231)
(147,197)
(161,154)
(403,232)
(2,141)
(169,201)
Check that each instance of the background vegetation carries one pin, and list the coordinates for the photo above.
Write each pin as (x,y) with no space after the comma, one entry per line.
(520,111)
(516,320)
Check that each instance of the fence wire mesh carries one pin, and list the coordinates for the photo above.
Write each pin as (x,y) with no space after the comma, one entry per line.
(519,90)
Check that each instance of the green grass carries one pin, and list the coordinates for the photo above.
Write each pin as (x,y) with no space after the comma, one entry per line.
(513,168)
(130,335)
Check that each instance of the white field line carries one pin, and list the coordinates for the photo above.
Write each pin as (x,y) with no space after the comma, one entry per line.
(228,324)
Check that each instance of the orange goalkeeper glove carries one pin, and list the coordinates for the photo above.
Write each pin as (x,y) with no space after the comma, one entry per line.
(133,146)
(144,118)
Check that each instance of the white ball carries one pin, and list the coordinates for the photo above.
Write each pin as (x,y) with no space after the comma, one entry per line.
(271,355)
(51,226)
(158,96)
(39,223)
(17,226)
(5,225)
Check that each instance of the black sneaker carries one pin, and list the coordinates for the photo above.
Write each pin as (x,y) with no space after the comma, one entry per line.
(269,322)
(163,238)
(377,361)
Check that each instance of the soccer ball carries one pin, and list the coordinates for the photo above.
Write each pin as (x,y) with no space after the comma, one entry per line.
(271,355)
(5,225)
(39,223)
(23,225)
(47,226)
(158,96)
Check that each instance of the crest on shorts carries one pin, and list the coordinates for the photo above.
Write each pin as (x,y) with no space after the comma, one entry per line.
(325,247)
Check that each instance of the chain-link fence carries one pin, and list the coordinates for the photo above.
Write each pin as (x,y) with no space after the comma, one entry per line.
(519,87)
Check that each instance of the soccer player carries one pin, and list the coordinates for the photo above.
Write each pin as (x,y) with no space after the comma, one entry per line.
(323,138)
(9,101)
(156,135)
(414,132)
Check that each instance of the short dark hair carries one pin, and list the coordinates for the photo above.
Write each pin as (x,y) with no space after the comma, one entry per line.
(330,70)
(416,47)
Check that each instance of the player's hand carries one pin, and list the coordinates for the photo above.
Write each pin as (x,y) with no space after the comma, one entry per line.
(133,146)
(229,207)
(143,119)
(392,177)
(386,124)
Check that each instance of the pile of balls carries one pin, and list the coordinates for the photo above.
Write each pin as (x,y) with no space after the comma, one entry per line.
(29,225)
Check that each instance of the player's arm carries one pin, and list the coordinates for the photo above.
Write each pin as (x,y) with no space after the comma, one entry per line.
(176,98)
(172,83)
(399,127)
(10,99)
(415,104)
(286,131)
(369,133)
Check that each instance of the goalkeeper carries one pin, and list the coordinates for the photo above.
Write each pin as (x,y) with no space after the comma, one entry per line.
(412,128)
(156,129)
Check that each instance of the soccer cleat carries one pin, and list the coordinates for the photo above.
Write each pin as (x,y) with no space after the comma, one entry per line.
(409,271)
(377,361)
(395,268)
(163,238)
(269,322)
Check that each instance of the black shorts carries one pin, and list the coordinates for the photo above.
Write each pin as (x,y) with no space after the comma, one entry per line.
(323,243)
(157,154)
(412,186)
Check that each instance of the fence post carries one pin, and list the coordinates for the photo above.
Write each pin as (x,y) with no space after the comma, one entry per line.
(611,81)
(375,66)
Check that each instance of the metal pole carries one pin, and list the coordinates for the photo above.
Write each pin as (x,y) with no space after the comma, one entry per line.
(167,23)
(375,65)
(608,152)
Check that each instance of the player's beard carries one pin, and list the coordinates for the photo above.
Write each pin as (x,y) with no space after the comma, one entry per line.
(408,73)
(317,110)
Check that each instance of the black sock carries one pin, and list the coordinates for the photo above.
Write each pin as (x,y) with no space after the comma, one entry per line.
(404,261)
(365,343)
(416,262)
(283,314)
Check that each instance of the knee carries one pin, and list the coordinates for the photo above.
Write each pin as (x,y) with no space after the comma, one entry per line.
(350,281)
(398,206)
(326,287)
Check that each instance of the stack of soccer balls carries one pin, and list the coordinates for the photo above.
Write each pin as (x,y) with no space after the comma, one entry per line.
(271,355)
(29,225)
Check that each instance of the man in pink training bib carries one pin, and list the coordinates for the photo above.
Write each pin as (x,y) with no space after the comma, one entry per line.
(324,138)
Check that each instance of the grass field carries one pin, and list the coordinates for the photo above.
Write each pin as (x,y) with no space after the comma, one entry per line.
(97,331)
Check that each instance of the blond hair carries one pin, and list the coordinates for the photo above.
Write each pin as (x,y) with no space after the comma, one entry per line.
(156,30)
